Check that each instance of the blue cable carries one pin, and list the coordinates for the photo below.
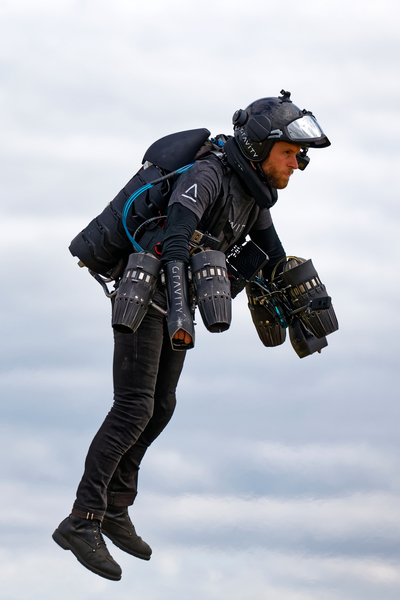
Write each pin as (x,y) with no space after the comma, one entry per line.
(273,303)
(146,187)
(127,206)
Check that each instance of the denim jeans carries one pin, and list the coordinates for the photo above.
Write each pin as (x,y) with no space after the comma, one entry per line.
(146,372)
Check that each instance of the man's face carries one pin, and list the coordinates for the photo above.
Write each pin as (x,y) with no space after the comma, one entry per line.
(280,164)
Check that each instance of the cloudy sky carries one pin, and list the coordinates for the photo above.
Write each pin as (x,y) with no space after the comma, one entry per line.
(278,478)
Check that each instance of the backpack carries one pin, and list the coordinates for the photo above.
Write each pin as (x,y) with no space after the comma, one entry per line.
(107,240)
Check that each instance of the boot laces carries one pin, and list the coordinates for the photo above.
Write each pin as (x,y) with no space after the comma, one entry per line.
(97,535)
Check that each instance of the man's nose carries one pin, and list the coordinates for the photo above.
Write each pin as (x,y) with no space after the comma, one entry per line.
(293,164)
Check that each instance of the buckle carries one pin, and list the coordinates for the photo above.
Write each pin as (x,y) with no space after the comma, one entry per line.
(196,237)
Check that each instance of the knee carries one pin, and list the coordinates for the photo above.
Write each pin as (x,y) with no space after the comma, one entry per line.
(137,410)
(164,407)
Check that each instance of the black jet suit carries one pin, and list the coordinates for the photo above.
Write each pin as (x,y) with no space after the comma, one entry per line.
(146,369)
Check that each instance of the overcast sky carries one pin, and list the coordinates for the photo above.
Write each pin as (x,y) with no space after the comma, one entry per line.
(278,478)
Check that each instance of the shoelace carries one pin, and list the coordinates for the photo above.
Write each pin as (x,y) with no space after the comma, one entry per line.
(98,536)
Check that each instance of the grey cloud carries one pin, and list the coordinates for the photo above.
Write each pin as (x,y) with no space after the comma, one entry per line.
(289,466)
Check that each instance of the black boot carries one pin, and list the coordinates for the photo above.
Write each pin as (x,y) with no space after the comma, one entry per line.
(119,528)
(84,539)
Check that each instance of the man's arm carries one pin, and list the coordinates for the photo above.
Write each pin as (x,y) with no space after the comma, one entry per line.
(194,192)
(181,223)
(269,241)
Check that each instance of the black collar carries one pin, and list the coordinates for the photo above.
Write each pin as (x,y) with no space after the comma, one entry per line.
(264,195)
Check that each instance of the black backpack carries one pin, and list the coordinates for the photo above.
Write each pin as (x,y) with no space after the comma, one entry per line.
(107,240)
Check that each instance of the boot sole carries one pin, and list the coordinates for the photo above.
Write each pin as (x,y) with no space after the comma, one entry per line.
(125,549)
(65,545)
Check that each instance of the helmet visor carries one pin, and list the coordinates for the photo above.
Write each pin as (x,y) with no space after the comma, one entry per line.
(306,131)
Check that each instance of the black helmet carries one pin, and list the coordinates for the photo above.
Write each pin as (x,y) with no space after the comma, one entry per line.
(270,120)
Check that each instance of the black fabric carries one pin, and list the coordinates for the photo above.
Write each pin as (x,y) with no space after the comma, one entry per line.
(264,195)
(182,221)
(146,372)
(269,241)
(181,224)
(216,195)
(199,187)
(146,368)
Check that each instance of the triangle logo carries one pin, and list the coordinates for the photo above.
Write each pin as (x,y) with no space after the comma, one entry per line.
(194,193)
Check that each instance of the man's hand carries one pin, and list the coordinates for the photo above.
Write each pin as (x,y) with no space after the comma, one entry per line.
(182,335)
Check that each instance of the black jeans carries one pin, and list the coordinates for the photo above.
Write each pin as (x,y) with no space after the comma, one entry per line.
(146,372)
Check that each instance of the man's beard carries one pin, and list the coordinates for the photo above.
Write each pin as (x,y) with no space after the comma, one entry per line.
(275,178)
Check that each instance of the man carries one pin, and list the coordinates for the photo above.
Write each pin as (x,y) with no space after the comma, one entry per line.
(240,183)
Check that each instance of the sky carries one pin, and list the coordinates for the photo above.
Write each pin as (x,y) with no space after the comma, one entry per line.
(277,478)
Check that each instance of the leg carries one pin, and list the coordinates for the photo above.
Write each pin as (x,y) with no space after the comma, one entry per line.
(138,396)
(122,488)
(136,363)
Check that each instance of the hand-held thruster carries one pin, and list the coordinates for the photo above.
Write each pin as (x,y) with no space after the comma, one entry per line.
(179,312)
(297,300)
(135,291)
(212,289)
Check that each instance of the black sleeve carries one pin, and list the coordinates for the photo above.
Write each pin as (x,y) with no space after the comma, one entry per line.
(269,241)
(179,228)
(199,186)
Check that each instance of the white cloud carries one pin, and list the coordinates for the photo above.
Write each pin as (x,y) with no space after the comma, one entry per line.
(86,87)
